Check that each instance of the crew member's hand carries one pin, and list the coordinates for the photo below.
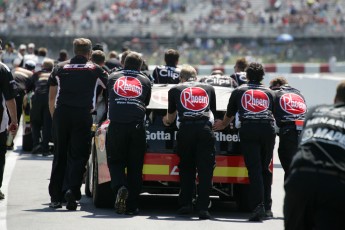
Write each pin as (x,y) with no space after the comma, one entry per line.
(218,125)
(165,121)
(13,128)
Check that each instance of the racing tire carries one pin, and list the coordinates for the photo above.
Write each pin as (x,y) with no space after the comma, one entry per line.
(102,195)
(88,192)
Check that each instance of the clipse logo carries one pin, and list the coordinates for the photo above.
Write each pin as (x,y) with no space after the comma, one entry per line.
(194,98)
(255,101)
(129,87)
(293,104)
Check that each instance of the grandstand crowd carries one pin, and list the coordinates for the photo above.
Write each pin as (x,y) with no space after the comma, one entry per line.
(198,17)
(205,32)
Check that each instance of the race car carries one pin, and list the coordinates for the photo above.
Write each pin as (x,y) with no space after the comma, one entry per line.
(160,171)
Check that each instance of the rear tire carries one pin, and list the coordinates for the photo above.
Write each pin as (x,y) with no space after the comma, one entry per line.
(103,196)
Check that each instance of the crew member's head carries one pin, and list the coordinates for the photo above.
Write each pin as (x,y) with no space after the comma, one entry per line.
(241,65)
(30,65)
(133,61)
(48,64)
(123,57)
(277,82)
(217,72)
(255,72)
(171,57)
(98,57)
(113,54)
(42,51)
(98,46)
(63,55)
(82,47)
(340,94)
(188,73)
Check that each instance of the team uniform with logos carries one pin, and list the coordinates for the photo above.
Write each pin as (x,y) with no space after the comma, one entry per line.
(240,78)
(40,117)
(166,74)
(22,82)
(7,92)
(315,187)
(254,104)
(129,94)
(76,82)
(194,103)
(290,109)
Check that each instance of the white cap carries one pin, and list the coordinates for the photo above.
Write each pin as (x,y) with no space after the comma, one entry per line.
(22,47)
(31,45)
(30,64)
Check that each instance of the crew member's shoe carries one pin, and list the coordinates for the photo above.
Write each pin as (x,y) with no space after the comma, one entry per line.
(71,201)
(185,210)
(55,205)
(36,149)
(258,214)
(120,202)
(2,196)
(132,212)
(268,214)
(46,153)
(204,215)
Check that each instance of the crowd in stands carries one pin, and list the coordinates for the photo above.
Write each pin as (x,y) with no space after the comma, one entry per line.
(71,16)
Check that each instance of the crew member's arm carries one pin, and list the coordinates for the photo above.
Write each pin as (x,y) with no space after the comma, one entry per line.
(12,108)
(221,124)
(52,98)
(53,87)
(7,85)
(170,117)
(148,96)
(213,101)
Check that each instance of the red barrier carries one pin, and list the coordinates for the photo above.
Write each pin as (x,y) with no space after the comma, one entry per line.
(270,68)
(324,68)
(297,68)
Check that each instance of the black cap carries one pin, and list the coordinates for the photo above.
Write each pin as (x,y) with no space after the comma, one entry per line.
(98,46)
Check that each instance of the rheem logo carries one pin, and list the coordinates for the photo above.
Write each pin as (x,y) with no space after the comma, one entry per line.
(255,101)
(194,98)
(293,104)
(128,87)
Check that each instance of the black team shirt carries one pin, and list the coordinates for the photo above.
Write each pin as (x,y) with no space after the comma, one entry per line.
(77,81)
(129,94)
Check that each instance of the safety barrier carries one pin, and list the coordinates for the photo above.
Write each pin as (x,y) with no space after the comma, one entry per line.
(284,68)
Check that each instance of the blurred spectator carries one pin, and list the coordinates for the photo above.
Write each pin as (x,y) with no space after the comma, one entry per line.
(41,121)
(113,60)
(9,55)
(63,56)
(41,57)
